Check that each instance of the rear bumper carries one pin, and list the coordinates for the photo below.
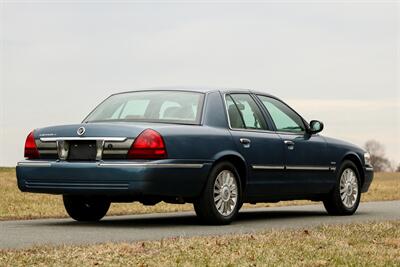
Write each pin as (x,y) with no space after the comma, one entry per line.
(368,177)
(142,178)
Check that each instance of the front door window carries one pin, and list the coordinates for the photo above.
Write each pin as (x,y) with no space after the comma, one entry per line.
(284,118)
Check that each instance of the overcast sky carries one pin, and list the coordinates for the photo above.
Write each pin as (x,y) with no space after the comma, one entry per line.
(337,62)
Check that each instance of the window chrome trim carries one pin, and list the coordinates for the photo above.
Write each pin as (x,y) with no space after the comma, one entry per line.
(292,133)
(243,129)
(94,138)
(279,100)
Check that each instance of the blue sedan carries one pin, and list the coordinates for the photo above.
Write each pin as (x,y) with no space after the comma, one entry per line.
(215,148)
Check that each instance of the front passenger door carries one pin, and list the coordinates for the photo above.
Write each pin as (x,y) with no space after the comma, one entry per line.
(307,166)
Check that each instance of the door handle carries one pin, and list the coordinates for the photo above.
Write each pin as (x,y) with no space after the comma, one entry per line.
(245,141)
(290,144)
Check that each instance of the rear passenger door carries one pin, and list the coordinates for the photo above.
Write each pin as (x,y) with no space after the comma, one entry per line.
(262,148)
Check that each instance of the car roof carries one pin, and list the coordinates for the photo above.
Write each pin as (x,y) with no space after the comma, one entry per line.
(199,89)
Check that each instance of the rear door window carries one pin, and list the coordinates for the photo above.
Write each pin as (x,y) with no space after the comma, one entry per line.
(244,113)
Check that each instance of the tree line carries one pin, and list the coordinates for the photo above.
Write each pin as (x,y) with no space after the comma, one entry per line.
(378,158)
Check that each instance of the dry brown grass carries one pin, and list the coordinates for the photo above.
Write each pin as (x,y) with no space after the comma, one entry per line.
(370,244)
(17,205)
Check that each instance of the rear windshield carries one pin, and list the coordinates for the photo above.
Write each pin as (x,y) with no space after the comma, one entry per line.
(150,106)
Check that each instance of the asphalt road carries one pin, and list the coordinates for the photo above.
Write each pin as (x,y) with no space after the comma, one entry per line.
(19,234)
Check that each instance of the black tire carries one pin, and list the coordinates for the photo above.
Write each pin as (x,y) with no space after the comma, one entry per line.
(86,209)
(333,202)
(205,207)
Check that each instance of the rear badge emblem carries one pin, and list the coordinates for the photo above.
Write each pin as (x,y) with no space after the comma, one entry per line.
(81,131)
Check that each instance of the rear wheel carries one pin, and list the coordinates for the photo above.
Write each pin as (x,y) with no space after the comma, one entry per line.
(88,209)
(220,199)
(345,197)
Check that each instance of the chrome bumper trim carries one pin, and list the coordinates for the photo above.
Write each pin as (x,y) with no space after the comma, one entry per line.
(94,138)
(154,165)
(119,164)
(35,164)
(370,169)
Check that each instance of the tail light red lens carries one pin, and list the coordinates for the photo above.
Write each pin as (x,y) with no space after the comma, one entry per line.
(148,145)
(31,151)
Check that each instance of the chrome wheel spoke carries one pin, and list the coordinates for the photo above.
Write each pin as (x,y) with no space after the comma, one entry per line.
(216,198)
(217,185)
(219,204)
(225,210)
(231,203)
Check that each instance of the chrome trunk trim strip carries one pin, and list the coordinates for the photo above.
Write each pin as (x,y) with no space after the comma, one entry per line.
(94,138)
(115,152)
(47,151)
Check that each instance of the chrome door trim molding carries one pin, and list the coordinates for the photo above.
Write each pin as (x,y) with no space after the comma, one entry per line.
(298,168)
(94,138)
(309,168)
(152,165)
(370,169)
(268,167)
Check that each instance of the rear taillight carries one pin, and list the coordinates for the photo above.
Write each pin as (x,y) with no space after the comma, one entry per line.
(148,145)
(31,151)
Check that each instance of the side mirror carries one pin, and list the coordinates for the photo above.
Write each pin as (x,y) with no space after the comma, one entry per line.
(316,126)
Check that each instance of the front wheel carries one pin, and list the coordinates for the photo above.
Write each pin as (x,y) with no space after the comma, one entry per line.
(219,202)
(87,209)
(345,197)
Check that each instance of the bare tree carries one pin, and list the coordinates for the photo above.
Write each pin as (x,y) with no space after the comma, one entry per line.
(378,158)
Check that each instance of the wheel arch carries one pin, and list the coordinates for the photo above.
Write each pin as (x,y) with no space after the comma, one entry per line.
(353,157)
(238,161)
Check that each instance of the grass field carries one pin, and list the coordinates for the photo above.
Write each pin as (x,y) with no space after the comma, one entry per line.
(17,205)
(371,244)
